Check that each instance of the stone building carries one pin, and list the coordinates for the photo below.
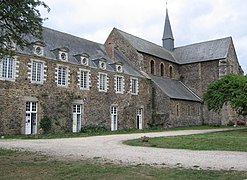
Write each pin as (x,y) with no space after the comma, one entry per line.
(127,82)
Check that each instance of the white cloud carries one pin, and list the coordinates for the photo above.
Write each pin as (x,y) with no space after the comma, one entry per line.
(191,20)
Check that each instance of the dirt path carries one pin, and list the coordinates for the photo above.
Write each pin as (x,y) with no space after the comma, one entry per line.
(110,149)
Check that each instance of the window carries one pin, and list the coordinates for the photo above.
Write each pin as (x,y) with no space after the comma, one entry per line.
(63,56)
(177,110)
(7,68)
(102,65)
(134,86)
(171,72)
(119,68)
(84,79)
(162,69)
(37,72)
(102,82)
(62,76)
(38,50)
(119,84)
(84,61)
(114,118)
(152,67)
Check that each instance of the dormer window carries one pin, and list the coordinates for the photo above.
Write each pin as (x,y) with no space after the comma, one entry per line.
(119,68)
(102,65)
(63,56)
(84,61)
(38,48)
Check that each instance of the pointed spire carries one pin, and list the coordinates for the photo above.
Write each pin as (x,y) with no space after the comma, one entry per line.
(168,40)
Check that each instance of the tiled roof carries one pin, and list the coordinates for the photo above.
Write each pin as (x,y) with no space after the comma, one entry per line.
(199,52)
(53,39)
(147,47)
(175,89)
(204,51)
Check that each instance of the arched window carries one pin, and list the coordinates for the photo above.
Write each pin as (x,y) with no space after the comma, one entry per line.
(162,69)
(152,67)
(171,72)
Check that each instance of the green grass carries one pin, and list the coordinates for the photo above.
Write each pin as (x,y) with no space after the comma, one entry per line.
(234,140)
(25,165)
(99,132)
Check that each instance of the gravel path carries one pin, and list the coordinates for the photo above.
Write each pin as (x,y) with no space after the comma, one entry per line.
(110,149)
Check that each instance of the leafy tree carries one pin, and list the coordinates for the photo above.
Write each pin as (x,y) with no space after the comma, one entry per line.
(19,18)
(231,89)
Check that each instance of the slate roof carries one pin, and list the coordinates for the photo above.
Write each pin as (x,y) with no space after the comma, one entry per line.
(147,47)
(53,39)
(204,51)
(199,52)
(175,89)
(167,34)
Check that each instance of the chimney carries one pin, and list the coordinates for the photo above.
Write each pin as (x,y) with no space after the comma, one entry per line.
(110,50)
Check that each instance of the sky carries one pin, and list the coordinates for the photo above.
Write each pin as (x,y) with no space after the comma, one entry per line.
(192,21)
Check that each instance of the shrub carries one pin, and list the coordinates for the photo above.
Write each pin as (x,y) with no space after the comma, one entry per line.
(241,122)
(94,129)
(45,124)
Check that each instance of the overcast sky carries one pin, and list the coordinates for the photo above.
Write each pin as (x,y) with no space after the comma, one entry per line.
(192,21)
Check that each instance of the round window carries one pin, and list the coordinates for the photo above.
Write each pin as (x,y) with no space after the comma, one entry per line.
(84,61)
(63,56)
(103,65)
(119,69)
(38,50)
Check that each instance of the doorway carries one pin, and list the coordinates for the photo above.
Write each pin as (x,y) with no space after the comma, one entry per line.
(77,117)
(31,118)
(139,118)
(114,118)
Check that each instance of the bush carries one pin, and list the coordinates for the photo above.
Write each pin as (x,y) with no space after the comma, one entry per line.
(241,122)
(94,129)
(45,124)
(230,123)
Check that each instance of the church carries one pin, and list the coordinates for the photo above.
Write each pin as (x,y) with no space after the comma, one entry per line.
(127,82)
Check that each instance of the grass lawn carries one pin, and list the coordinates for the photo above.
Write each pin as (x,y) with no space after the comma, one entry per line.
(102,131)
(234,140)
(26,165)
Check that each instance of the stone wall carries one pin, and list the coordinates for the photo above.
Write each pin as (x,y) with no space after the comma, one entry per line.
(56,102)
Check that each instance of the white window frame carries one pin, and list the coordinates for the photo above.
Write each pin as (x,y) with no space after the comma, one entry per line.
(84,85)
(35,79)
(119,84)
(62,78)
(61,53)
(40,53)
(102,83)
(114,117)
(8,69)
(134,86)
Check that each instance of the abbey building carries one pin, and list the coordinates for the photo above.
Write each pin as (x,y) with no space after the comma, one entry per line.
(127,82)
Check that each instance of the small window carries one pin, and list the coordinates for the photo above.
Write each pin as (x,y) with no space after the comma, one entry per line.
(119,84)
(84,61)
(162,69)
(134,86)
(7,68)
(171,72)
(119,68)
(102,82)
(38,50)
(178,110)
(84,79)
(37,72)
(102,65)
(62,76)
(63,56)
(152,67)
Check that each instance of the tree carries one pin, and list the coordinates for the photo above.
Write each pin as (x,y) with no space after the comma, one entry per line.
(231,89)
(17,20)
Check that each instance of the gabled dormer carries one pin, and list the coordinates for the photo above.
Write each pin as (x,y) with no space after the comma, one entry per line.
(61,53)
(117,66)
(83,58)
(38,48)
(101,63)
